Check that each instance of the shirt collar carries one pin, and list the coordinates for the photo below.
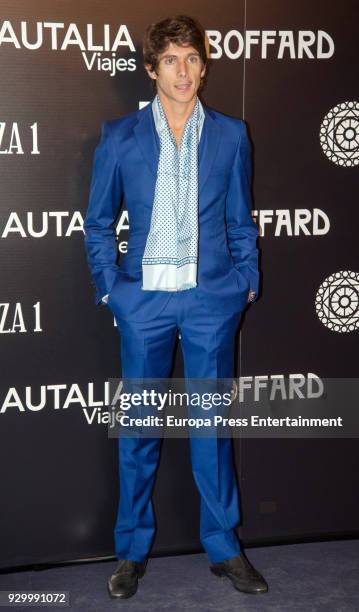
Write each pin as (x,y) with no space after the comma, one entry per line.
(159,123)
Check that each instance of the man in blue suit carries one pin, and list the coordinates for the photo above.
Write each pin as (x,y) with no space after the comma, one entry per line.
(184,172)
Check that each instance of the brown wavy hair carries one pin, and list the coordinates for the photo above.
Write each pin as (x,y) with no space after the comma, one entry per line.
(180,30)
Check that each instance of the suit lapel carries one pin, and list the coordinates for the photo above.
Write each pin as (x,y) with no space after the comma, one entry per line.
(147,138)
(208,146)
(148,142)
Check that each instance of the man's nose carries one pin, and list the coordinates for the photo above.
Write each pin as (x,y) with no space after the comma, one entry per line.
(182,68)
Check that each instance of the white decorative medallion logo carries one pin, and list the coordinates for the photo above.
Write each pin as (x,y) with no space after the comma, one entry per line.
(337,302)
(339,134)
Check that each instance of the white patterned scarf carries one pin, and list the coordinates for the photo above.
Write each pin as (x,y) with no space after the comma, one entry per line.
(170,258)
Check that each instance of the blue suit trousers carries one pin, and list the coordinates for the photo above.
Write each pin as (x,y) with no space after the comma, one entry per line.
(207,342)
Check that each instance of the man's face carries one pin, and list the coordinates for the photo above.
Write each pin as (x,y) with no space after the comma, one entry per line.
(179,73)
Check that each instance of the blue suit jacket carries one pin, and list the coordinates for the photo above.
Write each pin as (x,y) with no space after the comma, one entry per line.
(125,168)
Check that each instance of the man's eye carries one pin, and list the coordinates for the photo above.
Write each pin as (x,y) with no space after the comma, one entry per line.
(193,59)
(169,60)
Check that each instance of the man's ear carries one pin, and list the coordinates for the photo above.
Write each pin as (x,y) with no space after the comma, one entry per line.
(203,71)
(151,73)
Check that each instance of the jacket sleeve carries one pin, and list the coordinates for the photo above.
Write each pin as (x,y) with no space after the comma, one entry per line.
(242,231)
(103,208)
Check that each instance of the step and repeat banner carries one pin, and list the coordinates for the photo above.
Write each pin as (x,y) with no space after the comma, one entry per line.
(289,70)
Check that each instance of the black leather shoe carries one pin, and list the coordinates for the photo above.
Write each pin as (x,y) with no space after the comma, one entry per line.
(124,581)
(241,573)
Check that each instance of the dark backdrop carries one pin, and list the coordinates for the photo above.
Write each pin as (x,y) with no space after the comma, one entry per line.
(58,473)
